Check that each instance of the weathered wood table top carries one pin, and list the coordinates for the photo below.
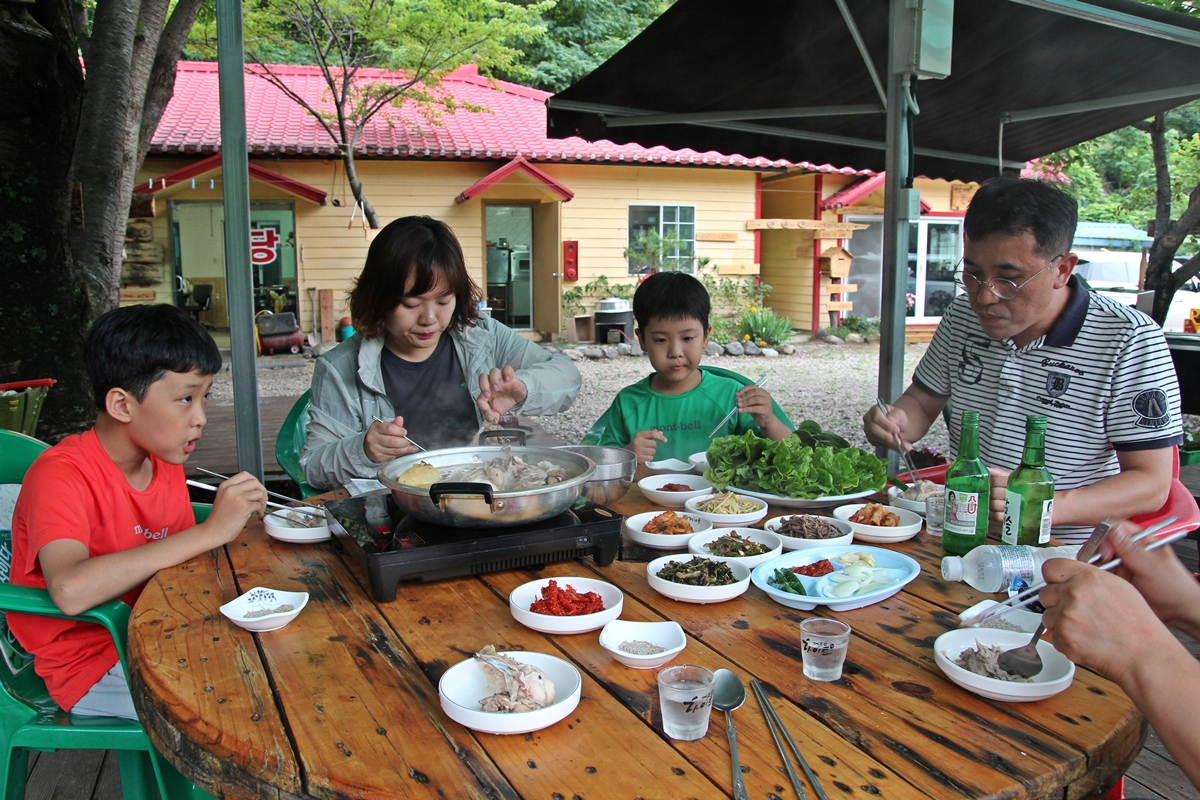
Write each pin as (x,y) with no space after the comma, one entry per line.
(343,701)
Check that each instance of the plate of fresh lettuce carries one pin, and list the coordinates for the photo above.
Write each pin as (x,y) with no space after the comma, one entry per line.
(808,469)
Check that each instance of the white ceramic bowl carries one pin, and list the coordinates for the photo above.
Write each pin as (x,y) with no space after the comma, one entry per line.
(650,487)
(668,465)
(664,634)
(895,499)
(523,596)
(699,462)
(463,686)
(698,545)
(697,594)
(728,520)
(1056,675)
(278,526)
(797,543)
(259,599)
(1021,618)
(634,525)
(910,525)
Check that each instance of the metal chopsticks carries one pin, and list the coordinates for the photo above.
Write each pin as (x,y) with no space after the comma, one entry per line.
(410,441)
(1030,595)
(312,510)
(269,492)
(761,380)
(908,462)
(774,722)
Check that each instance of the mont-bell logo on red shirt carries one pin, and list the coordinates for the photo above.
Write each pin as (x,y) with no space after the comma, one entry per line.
(138,530)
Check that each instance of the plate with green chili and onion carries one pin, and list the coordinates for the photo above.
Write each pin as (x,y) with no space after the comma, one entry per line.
(840,577)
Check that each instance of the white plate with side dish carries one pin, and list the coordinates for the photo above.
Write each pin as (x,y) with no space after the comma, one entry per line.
(464,685)
(664,541)
(261,610)
(900,568)
(802,502)
(526,594)
(284,526)
(799,543)
(651,488)
(1057,670)
(909,525)
(697,594)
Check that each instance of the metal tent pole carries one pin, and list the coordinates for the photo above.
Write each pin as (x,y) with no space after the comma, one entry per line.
(239,284)
(895,228)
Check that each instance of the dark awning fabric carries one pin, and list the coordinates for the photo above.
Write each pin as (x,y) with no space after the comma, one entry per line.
(713,55)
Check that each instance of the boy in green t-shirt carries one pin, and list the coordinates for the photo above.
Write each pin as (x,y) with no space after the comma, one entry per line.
(671,413)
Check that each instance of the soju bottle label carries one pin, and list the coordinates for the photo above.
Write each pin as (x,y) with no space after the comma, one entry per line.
(962,512)
(1047,513)
(1011,530)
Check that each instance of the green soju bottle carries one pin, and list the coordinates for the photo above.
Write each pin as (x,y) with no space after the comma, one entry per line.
(1029,502)
(967,493)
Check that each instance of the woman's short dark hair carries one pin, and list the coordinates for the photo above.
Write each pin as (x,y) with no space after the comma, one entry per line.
(671,296)
(130,348)
(1014,206)
(409,257)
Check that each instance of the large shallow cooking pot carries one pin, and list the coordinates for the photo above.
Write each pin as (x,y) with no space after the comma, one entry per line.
(614,472)
(476,505)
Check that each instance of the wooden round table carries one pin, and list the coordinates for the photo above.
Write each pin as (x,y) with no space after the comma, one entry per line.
(343,701)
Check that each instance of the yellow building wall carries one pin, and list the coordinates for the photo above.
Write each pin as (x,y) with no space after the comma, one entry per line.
(331,250)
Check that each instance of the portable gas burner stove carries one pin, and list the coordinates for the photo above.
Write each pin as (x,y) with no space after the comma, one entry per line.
(391,546)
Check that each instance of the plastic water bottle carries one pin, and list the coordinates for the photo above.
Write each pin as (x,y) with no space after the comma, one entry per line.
(1002,567)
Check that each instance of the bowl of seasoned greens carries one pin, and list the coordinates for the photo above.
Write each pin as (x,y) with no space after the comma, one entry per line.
(747,546)
(697,579)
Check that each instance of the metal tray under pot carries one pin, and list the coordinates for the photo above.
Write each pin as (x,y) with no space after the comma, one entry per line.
(477,505)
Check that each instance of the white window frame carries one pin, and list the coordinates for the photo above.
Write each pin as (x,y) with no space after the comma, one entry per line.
(921,231)
(691,267)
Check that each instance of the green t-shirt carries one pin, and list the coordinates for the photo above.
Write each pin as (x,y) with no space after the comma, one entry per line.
(685,419)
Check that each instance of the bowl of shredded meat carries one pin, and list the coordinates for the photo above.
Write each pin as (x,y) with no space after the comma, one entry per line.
(565,605)
(968,657)
(802,531)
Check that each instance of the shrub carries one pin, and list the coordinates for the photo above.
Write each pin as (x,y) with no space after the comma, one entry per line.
(722,330)
(763,325)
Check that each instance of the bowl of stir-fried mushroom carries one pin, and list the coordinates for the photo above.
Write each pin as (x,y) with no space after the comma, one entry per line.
(483,487)
(968,656)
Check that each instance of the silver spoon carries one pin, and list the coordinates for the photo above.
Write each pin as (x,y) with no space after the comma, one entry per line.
(1024,661)
(728,695)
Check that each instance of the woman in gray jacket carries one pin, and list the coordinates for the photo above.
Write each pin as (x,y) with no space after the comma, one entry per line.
(422,358)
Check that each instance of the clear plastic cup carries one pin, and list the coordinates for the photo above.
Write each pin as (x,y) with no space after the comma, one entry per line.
(935,512)
(823,646)
(685,695)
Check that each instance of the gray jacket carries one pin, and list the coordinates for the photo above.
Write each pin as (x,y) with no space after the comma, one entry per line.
(347,393)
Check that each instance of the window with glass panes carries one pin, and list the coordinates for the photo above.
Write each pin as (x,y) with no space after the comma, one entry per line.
(675,222)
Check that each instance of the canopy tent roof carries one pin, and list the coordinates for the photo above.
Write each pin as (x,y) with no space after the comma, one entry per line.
(780,58)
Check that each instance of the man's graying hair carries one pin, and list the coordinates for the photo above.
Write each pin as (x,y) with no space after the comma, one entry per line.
(1014,206)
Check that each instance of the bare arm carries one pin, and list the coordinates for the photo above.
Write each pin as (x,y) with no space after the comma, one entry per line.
(910,416)
(1141,487)
(77,582)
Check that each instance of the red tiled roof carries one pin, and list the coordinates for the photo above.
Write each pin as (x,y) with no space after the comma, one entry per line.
(518,164)
(515,126)
(851,194)
(213,163)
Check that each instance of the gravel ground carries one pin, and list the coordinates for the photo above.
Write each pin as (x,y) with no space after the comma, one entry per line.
(833,385)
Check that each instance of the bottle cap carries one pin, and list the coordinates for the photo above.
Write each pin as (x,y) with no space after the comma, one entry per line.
(952,568)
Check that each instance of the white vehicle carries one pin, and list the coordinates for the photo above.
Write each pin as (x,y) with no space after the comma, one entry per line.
(1115,275)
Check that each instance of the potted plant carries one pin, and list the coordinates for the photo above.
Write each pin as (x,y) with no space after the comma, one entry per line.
(1189,451)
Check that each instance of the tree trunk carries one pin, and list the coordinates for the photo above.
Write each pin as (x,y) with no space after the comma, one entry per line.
(162,75)
(44,306)
(356,188)
(1168,234)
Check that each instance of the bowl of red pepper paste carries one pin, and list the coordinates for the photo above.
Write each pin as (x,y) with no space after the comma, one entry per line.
(565,605)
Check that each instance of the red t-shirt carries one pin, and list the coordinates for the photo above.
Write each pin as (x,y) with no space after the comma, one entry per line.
(75,491)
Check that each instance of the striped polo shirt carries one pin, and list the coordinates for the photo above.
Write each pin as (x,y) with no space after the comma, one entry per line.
(1102,375)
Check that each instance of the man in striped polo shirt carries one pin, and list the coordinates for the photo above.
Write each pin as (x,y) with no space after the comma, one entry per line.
(1027,337)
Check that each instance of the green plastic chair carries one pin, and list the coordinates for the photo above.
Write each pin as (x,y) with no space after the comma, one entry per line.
(592,437)
(17,452)
(290,443)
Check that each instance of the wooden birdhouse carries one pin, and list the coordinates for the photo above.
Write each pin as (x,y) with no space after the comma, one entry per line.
(835,262)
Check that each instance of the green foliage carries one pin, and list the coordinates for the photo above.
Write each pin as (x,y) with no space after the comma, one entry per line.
(763,326)
(653,252)
(721,329)
(572,302)
(855,324)
(601,288)
(789,468)
(1191,436)
(580,36)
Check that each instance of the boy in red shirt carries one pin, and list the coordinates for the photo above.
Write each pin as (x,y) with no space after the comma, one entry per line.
(101,512)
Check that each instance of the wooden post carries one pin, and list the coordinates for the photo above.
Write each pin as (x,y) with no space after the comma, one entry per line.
(327,321)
